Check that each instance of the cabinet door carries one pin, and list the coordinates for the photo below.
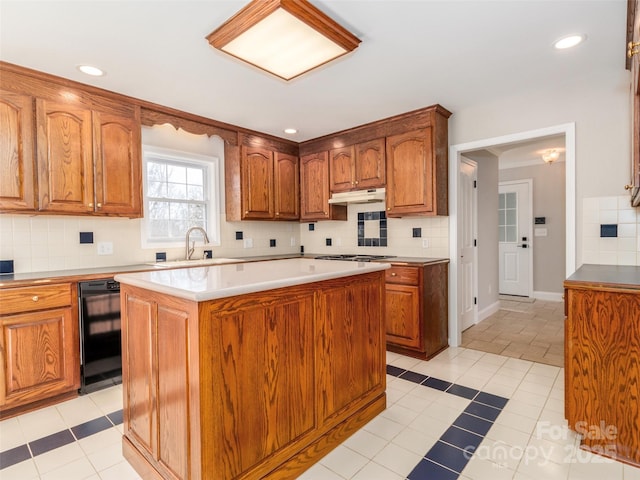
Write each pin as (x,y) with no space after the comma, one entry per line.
(286,186)
(40,353)
(403,315)
(342,169)
(370,164)
(410,173)
(257,183)
(635,108)
(118,164)
(18,180)
(65,164)
(314,190)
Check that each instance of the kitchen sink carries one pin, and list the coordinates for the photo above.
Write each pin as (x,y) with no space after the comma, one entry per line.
(195,262)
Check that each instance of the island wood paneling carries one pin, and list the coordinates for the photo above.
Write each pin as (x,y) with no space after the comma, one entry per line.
(254,386)
(602,369)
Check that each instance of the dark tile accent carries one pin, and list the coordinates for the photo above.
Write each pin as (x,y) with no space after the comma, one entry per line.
(413,377)
(482,411)
(417,232)
(239,235)
(51,442)
(93,426)
(86,237)
(493,400)
(473,424)
(116,417)
(437,383)
(381,239)
(610,230)
(395,371)
(426,469)
(462,439)
(464,392)
(312,227)
(448,456)
(272,242)
(13,456)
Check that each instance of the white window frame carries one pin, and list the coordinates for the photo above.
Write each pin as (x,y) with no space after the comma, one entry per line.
(212,165)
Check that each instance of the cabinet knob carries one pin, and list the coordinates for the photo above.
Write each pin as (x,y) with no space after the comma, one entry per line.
(388,208)
(91,205)
(99,205)
(394,274)
(35,298)
(356,182)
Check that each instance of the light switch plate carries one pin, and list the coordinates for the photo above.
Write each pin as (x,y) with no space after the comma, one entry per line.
(105,248)
(248,243)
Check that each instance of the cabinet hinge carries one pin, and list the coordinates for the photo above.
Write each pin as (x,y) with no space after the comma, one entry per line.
(475,242)
(475,184)
(475,300)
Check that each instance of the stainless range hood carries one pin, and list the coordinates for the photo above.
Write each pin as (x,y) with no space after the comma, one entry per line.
(358,196)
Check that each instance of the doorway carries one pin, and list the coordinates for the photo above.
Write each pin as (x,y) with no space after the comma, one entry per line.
(455,205)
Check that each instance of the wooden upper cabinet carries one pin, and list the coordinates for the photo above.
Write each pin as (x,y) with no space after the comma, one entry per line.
(342,168)
(370,164)
(416,179)
(269,188)
(314,190)
(257,183)
(118,164)
(88,161)
(65,163)
(357,167)
(17,182)
(286,173)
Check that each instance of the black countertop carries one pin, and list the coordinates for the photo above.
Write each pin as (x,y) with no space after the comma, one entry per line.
(610,275)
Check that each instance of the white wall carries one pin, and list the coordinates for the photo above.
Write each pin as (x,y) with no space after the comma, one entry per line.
(487,232)
(600,108)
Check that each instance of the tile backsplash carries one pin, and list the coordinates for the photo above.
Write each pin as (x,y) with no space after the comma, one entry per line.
(601,216)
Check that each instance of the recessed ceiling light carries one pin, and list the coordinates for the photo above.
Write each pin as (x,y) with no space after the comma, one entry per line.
(290,131)
(91,70)
(569,41)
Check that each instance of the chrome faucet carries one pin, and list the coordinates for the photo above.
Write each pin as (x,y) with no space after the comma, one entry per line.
(189,248)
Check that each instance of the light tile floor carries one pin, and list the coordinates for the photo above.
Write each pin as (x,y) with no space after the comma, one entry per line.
(528,439)
(532,330)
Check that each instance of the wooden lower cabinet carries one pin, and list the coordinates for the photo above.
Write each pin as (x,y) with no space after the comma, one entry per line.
(40,346)
(417,309)
(254,386)
(602,368)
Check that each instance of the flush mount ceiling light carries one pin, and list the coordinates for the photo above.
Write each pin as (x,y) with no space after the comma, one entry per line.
(550,156)
(91,70)
(284,37)
(290,131)
(568,41)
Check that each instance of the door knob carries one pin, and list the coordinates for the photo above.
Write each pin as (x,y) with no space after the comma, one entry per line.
(524,245)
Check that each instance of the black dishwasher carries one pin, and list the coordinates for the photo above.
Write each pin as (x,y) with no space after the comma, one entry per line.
(100,334)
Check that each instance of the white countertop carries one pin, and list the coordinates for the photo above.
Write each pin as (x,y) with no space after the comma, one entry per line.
(219,281)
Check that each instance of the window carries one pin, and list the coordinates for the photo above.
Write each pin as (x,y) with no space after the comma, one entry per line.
(508,217)
(180,191)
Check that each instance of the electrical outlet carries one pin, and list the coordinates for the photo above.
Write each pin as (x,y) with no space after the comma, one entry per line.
(105,248)
(338,242)
(425,243)
(248,243)
(293,241)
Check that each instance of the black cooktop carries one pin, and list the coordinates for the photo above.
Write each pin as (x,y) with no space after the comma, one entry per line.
(353,257)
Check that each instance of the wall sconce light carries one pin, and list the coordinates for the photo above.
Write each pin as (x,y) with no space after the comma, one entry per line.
(550,156)
(283,37)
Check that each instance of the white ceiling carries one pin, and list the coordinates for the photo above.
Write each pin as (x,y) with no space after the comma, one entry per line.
(413,54)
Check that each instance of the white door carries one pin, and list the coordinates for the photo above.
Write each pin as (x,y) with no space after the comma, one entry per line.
(514,237)
(468,267)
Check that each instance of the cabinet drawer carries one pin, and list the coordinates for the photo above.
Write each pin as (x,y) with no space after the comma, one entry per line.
(28,299)
(404,275)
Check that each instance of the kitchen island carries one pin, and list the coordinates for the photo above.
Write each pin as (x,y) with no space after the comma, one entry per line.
(249,370)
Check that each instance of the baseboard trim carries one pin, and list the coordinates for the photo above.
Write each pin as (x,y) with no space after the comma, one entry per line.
(488,311)
(548,296)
